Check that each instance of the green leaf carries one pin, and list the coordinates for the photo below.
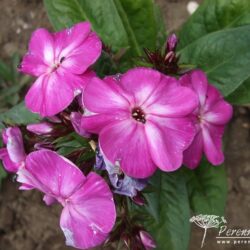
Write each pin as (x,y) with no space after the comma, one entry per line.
(223,55)
(167,214)
(241,95)
(139,21)
(19,114)
(3,174)
(5,72)
(160,27)
(216,39)
(207,187)
(212,16)
(103,17)
(122,24)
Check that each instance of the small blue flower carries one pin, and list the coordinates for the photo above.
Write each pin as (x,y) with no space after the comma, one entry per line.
(122,183)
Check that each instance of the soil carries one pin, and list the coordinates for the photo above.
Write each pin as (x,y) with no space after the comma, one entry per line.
(27,224)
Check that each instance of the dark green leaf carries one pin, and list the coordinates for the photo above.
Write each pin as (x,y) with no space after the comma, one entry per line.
(125,24)
(18,115)
(5,72)
(207,187)
(103,17)
(3,174)
(241,95)
(167,214)
(223,55)
(212,16)
(216,39)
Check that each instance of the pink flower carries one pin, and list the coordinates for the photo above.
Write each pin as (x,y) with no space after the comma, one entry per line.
(13,156)
(88,208)
(211,116)
(140,119)
(60,61)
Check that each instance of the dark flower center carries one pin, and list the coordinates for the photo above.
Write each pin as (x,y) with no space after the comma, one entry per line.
(138,115)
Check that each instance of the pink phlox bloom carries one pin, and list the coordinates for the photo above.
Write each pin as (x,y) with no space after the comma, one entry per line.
(88,208)
(141,120)
(13,156)
(60,61)
(210,118)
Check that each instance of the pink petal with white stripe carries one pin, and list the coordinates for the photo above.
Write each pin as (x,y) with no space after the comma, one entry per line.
(167,139)
(33,65)
(140,82)
(41,45)
(90,214)
(49,95)
(212,139)
(220,113)
(109,98)
(197,80)
(14,144)
(69,39)
(79,59)
(51,173)
(125,142)
(9,165)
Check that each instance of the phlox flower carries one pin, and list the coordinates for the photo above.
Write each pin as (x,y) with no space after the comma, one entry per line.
(13,156)
(210,118)
(88,213)
(60,61)
(141,120)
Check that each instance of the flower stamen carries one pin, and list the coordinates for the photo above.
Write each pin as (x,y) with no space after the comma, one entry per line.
(139,115)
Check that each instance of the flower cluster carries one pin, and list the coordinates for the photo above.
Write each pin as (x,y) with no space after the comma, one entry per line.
(137,122)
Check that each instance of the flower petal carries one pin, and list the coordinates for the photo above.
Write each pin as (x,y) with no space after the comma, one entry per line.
(49,200)
(51,173)
(197,80)
(79,59)
(69,39)
(220,113)
(76,118)
(193,154)
(167,139)
(33,65)
(9,165)
(140,82)
(50,94)
(125,142)
(15,145)
(171,100)
(109,98)
(212,139)
(41,45)
(90,215)
(40,128)
(96,122)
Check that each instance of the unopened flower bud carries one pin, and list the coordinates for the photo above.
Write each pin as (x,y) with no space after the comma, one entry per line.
(42,128)
(147,240)
(138,200)
(172,42)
